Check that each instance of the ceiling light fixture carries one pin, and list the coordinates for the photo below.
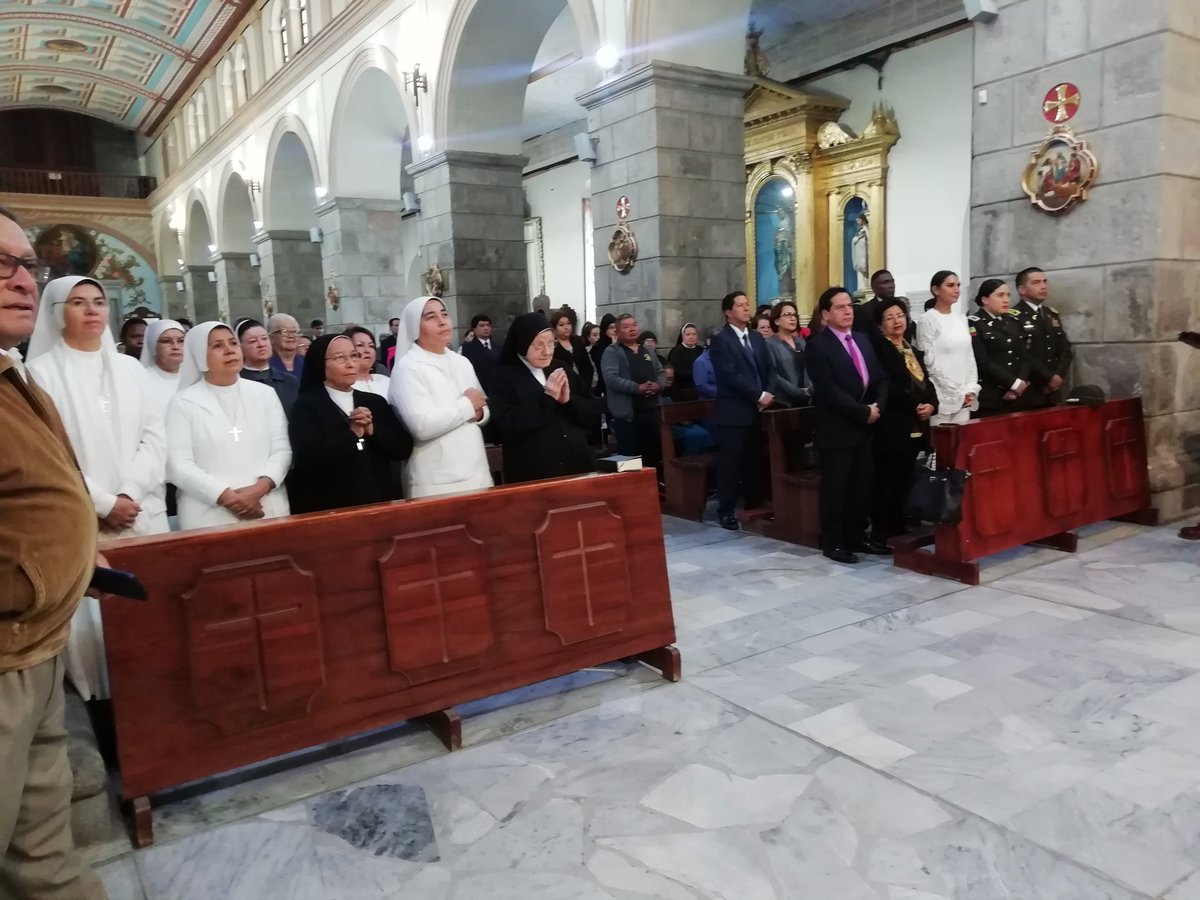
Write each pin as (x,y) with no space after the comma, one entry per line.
(425,143)
(607,57)
(418,82)
(320,192)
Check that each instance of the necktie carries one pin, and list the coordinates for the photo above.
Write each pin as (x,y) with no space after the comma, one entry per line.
(746,345)
(855,354)
(487,345)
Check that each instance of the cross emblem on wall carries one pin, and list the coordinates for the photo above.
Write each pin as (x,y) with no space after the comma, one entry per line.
(624,207)
(1061,103)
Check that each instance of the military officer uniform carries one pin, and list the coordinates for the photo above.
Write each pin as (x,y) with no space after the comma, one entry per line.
(1001,359)
(1049,350)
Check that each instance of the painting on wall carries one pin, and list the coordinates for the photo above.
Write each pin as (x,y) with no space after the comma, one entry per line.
(857,250)
(78,250)
(775,241)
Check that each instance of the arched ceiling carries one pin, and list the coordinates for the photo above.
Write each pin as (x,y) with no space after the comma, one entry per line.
(137,56)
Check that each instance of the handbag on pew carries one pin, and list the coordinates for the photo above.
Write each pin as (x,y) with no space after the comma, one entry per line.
(936,494)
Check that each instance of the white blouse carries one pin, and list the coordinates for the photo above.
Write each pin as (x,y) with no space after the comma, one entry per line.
(374,384)
(945,340)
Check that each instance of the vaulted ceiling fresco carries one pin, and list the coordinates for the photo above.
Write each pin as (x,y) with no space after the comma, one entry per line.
(121,60)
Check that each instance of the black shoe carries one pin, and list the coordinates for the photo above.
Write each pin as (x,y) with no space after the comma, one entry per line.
(839,555)
(873,547)
(730,523)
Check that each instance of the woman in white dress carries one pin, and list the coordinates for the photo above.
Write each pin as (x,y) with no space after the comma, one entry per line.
(228,437)
(944,338)
(115,430)
(436,394)
(369,380)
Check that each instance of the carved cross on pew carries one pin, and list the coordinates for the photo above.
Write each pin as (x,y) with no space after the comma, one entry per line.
(581,550)
(436,582)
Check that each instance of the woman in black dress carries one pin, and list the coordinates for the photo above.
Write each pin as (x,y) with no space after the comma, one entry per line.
(542,410)
(903,427)
(344,441)
(569,348)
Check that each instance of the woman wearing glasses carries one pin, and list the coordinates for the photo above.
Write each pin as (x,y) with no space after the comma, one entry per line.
(543,411)
(787,355)
(115,430)
(344,439)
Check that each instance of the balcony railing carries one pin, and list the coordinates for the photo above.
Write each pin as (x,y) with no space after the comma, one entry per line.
(75,184)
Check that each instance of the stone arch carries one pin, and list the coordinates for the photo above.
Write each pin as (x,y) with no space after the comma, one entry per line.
(370,141)
(252,53)
(291,177)
(235,214)
(712,32)
(170,253)
(226,96)
(198,233)
(485,65)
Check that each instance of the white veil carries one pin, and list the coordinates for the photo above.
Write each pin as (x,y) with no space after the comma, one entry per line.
(410,325)
(195,353)
(47,331)
(154,331)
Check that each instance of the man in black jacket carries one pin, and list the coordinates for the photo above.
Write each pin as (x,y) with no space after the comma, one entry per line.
(849,390)
(1050,352)
(745,387)
(480,351)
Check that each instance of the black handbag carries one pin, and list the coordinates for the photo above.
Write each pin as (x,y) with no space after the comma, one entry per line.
(936,494)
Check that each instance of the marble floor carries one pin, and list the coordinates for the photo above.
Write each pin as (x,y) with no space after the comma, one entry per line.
(840,733)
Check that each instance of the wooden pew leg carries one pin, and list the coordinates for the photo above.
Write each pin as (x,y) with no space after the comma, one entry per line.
(665,659)
(1066,541)
(1146,516)
(909,553)
(142,821)
(446,725)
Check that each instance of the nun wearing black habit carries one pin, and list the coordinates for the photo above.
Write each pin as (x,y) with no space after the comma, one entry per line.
(543,412)
(343,441)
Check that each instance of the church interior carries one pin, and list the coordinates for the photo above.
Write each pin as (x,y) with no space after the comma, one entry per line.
(385,701)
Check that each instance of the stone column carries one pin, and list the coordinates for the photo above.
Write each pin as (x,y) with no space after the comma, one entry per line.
(175,298)
(671,138)
(1124,266)
(473,226)
(202,293)
(237,286)
(290,274)
(363,255)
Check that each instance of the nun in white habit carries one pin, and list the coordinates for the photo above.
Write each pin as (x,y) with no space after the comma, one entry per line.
(437,395)
(115,431)
(227,436)
(162,356)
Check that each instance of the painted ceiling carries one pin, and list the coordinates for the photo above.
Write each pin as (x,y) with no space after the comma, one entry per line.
(121,60)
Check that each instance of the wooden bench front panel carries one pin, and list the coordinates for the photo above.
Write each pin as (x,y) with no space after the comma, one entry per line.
(271,637)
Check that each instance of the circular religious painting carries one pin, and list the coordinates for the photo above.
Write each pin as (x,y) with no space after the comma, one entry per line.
(67,249)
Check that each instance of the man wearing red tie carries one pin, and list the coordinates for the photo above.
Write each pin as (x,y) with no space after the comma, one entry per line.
(849,390)
(745,387)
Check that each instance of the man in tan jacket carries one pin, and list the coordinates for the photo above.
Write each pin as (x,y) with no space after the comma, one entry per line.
(47,554)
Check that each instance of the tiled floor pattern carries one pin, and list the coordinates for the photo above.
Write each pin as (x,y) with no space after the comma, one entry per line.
(841,733)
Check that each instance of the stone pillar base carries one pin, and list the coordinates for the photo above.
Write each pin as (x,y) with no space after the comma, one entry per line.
(237,286)
(290,275)
(202,293)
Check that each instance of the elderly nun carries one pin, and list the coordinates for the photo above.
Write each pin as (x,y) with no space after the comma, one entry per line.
(229,452)
(115,431)
(436,394)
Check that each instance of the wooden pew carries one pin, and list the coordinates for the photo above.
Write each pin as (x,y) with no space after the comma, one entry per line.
(1035,477)
(271,637)
(685,478)
(795,481)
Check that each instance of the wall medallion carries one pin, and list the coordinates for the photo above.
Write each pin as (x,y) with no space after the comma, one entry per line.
(623,249)
(435,281)
(1062,169)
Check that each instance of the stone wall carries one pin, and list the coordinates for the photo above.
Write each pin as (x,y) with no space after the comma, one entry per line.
(202,293)
(237,286)
(290,274)
(1124,266)
(671,139)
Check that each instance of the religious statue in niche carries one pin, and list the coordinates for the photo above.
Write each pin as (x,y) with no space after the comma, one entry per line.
(857,253)
(435,281)
(775,239)
(1062,169)
(756,65)
(623,249)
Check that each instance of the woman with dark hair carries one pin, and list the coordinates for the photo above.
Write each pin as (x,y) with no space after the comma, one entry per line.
(344,439)
(649,340)
(903,427)
(787,355)
(682,358)
(591,338)
(1000,356)
(370,377)
(944,338)
(543,411)
(569,348)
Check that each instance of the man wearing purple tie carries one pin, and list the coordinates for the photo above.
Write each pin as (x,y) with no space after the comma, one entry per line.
(849,390)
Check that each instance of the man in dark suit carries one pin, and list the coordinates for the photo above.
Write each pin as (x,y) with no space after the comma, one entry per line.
(849,391)
(745,387)
(1050,352)
(481,352)
(388,343)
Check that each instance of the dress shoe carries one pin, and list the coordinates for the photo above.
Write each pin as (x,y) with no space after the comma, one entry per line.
(1190,532)
(841,556)
(875,548)
(730,523)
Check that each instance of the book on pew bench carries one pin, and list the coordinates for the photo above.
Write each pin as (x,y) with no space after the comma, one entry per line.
(618,463)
